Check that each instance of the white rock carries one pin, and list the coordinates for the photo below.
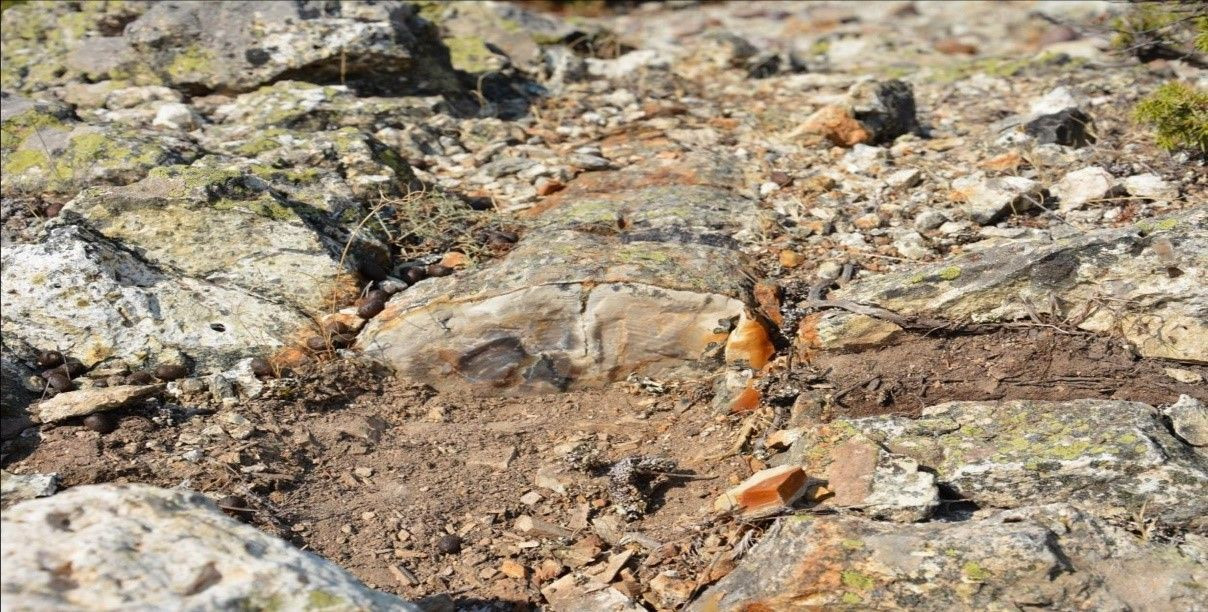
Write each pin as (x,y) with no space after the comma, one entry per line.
(904,178)
(912,245)
(1055,101)
(1084,186)
(176,116)
(1189,419)
(929,220)
(991,199)
(20,487)
(1150,186)
(136,547)
(89,401)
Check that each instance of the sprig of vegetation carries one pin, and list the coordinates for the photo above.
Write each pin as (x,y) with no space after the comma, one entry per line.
(1178,112)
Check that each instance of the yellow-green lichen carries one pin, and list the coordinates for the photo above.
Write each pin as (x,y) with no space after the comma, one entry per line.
(857,580)
(469,53)
(190,63)
(950,273)
(322,600)
(852,599)
(853,544)
(974,571)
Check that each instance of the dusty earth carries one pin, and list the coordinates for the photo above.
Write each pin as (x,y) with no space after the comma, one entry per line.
(428,494)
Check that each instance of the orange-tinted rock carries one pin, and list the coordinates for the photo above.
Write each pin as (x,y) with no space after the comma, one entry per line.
(454,259)
(836,124)
(790,258)
(746,400)
(749,343)
(765,492)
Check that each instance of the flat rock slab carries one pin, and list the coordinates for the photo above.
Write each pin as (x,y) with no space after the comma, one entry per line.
(645,280)
(136,547)
(1055,556)
(90,401)
(1109,456)
(1147,284)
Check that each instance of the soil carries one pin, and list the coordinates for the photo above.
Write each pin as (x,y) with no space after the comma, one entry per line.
(376,474)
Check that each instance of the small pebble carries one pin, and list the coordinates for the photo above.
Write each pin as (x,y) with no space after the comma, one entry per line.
(100,383)
(449,544)
(101,422)
(261,367)
(316,343)
(369,310)
(141,377)
(59,381)
(171,371)
(75,368)
(439,270)
(342,340)
(377,295)
(53,210)
(50,359)
(414,274)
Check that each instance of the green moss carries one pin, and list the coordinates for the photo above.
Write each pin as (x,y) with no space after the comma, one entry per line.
(190,63)
(1178,114)
(21,161)
(856,580)
(469,53)
(322,600)
(1149,226)
(265,206)
(853,544)
(262,142)
(950,273)
(974,571)
(852,599)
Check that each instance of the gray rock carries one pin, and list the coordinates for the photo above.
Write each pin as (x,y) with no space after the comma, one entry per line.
(20,487)
(14,397)
(1151,186)
(991,199)
(1080,187)
(1068,278)
(136,547)
(930,219)
(1070,127)
(1189,419)
(238,46)
(885,108)
(90,401)
(1056,556)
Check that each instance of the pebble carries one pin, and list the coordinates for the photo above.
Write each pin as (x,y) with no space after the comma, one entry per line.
(370,309)
(449,544)
(101,422)
(171,371)
(50,359)
(140,378)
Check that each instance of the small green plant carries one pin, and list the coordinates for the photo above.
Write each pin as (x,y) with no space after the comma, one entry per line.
(1178,112)
(1162,30)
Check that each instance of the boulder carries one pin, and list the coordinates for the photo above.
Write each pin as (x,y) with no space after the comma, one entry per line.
(1143,283)
(141,547)
(1108,456)
(1055,556)
(626,275)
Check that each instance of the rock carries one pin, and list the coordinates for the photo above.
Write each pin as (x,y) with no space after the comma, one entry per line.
(836,124)
(141,547)
(885,108)
(15,398)
(1107,456)
(623,275)
(991,199)
(1084,186)
(904,178)
(88,401)
(238,46)
(1055,555)
(930,219)
(106,302)
(1163,317)
(576,592)
(764,492)
(543,529)
(1070,127)
(176,116)
(1151,186)
(1184,375)
(1189,418)
(20,487)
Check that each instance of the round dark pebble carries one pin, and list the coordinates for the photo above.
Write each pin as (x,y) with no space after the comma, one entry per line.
(59,370)
(342,340)
(377,295)
(50,359)
(261,367)
(141,377)
(372,271)
(60,382)
(232,502)
(316,343)
(414,274)
(102,423)
(53,210)
(100,383)
(337,327)
(439,270)
(75,368)
(449,544)
(171,371)
(370,309)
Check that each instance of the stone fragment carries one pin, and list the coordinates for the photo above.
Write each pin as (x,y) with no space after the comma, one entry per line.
(1163,315)
(1184,375)
(1189,419)
(1070,127)
(512,569)
(929,220)
(89,401)
(1084,186)
(836,124)
(1151,186)
(885,108)
(862,475)
(765,492)
(576,592)
(20,487)
(141,547)
(989,200)
(176,116)
(1056,554)
(534,526)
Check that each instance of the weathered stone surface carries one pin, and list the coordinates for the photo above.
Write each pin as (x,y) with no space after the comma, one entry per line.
(20,487)
(1054,556)
(1084,186)
(991,199)
(141,547)
(1189,419)
(885,108)
(238,46)
(766,491)
(1117,281)
(1070,127)
(15,398)
(1151,186)
(637,277)
(92,300)
(860,474)
(1110,456)
(89,401)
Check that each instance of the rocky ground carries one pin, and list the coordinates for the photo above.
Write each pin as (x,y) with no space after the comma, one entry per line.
(656,306)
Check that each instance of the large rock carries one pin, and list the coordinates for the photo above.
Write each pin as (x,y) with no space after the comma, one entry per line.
(1110,456)
(1053,556)
(1144,283)
(93,300)
(135,547)
(635,278)
(238,46)
(15,398)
